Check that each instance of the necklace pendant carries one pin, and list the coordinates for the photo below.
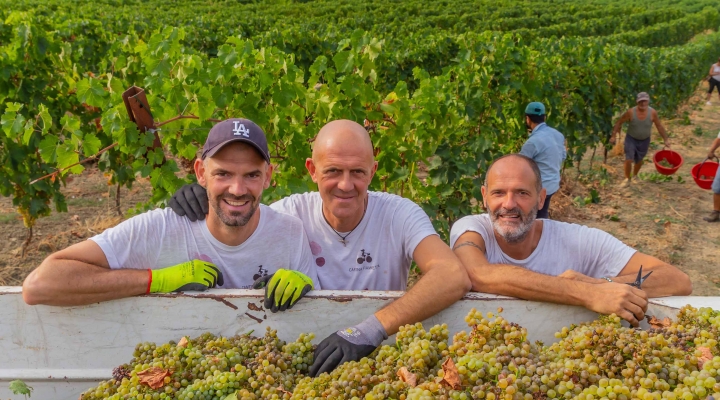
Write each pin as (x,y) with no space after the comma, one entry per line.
(343,241)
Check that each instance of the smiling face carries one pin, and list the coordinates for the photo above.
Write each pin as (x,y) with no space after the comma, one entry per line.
(234,178)
(642,105)
(343,167)
(511,198)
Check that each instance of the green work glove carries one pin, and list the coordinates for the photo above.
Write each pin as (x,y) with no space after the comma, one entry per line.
(191,275)
(283,288)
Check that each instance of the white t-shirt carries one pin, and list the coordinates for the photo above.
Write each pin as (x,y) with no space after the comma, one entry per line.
(380,249)
(160,238)
(562,246)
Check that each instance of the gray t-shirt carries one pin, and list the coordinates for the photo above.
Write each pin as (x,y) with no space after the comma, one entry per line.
(160,238)
(562,246)
(378,252)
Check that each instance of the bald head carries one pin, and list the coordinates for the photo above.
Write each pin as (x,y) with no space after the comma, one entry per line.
(343,136)
(343,166)
(516,164)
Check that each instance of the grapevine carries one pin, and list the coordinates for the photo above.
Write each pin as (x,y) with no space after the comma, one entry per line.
(441,86)
(492,360)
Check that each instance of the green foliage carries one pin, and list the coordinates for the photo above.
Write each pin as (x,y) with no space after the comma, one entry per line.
(593,197)
(655,177)
(20,387)
(439,85)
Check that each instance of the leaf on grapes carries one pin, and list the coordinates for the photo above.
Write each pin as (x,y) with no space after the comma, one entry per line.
(183,342)
(704,357)
(407,376)
(231,396)
(451,376)
(154,377)
(283,391)
(657,323)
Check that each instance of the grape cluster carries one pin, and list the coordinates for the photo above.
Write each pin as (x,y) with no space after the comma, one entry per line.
(493,360)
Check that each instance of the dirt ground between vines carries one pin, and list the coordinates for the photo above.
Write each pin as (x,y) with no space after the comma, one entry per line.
(660,218)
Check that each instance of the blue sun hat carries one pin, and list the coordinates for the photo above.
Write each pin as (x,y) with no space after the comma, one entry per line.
(535,108)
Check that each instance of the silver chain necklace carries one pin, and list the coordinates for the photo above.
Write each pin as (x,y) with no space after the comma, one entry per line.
(343,239)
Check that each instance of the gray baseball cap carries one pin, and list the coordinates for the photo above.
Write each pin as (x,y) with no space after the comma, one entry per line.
(642,96)
(235,130)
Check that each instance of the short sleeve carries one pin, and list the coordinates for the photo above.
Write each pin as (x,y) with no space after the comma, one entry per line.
(529,150)
(416,226)
(305,261)
(471,223)
(134,242)
(605,255)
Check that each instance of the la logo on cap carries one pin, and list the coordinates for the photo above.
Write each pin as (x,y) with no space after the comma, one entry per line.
(239,129)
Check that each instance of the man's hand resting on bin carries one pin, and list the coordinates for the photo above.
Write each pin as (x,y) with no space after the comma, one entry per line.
(192,275)
(191,201)
(284,288)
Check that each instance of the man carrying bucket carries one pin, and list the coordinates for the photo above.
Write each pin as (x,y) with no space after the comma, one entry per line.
(715,215)
(640,120)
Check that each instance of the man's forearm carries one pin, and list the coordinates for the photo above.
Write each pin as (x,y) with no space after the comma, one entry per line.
(664,281)
(72,283)
(436,290)
(715,145)
(509,280)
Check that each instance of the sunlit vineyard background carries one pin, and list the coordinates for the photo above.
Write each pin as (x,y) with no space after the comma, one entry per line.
(440,85)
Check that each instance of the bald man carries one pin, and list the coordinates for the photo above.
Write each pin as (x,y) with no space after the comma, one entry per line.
(508,251)
(361,240)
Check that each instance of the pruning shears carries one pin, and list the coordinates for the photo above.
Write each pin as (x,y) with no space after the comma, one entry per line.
(640,279)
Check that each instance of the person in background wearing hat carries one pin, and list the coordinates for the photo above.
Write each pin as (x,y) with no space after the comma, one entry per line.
(713,80)
(361,240)
(241,241)
(640,120)
(715,214)
(546,146)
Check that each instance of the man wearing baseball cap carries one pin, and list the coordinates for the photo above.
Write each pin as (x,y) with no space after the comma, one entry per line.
(241,242)
(640,120)
(546,146)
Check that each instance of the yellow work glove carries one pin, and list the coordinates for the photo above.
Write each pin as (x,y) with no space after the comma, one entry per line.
(191,275)
(283,288)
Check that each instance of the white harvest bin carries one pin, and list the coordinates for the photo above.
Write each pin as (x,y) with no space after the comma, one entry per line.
(61,351)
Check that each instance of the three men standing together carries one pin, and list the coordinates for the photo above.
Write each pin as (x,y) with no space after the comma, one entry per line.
(317,240)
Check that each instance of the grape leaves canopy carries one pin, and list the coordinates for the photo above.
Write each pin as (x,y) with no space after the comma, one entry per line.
(440,85)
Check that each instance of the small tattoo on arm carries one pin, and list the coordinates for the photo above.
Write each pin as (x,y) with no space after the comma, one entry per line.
(463,244)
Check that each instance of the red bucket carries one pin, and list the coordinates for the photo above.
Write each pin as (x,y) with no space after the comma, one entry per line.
(704,173)
(672,157)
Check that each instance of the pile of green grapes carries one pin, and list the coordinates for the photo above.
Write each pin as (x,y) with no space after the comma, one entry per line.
(493,360)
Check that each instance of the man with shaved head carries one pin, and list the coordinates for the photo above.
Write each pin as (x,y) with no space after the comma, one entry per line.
(361,240)
(508,251)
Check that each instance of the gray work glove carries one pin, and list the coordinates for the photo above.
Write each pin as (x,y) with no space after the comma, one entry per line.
(350,344)
(190,201)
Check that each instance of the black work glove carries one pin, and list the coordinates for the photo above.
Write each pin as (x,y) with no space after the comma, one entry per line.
(283,288)
(190,201)
(351,344)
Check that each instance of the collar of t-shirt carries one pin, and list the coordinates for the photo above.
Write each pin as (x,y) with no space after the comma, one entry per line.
(220,245)
(537,128)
